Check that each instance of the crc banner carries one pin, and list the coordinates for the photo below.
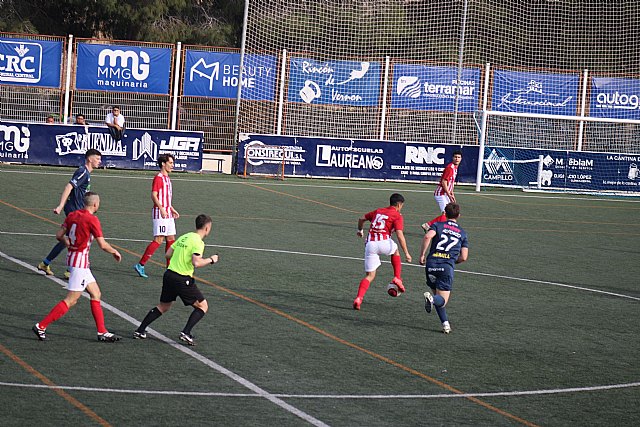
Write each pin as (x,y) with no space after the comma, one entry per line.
(429,88)
(123,68)
(352,159)
(216,75)
(524,92)
(615,98)
(334,82)
(575,170)
(65,145)
(30,62)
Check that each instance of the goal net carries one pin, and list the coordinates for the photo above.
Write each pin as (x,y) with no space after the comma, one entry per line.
(263,160)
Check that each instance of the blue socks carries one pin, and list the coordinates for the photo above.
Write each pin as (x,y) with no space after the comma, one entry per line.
(438,302)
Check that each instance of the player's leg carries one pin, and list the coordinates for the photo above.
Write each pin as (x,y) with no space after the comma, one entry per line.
(191,295)
(396,263)
(440,301)
(170,231)
(371,264)
(55,251)
(59,310)
(167,297)
(158,238)
(442,201)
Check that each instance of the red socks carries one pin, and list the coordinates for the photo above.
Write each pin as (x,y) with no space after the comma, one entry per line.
(56,312)
(166,248)
(396,262)
(98,316)
(362,289)
(148,253)
(440,218)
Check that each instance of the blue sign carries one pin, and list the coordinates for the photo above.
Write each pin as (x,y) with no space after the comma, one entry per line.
(429,88)
(615,98)
(65,145)
(123,68)
(30,62)
(216,75)
(360,159)
(334,82)
(524,92)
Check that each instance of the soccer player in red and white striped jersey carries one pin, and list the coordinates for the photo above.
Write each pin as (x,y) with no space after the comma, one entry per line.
(77,232)
(163,212)
(444,191)
(384,222)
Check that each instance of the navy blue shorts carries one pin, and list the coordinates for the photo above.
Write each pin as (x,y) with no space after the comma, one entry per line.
(439,276)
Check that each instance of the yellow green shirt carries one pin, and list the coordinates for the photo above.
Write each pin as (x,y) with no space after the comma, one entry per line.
(183,249)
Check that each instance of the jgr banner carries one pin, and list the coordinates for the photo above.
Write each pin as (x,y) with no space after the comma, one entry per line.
(573,170)
(65,145)
(422,87)
(349,159)
(524,92)
(334,82)
(615,98)
(30,62)
(216,75)
(123,68)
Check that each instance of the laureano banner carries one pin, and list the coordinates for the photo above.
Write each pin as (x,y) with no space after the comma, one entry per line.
(65,145)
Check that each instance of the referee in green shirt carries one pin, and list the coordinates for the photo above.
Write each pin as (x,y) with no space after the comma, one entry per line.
(185,256)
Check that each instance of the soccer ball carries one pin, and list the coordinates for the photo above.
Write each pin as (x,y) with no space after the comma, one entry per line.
(392,289)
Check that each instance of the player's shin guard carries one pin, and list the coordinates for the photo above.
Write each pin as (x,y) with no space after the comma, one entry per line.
(56,312)
(148,253)
(166,248)
(438,302)
(362,289)
(196,316)
(98,316)
(151,316)
(396,263)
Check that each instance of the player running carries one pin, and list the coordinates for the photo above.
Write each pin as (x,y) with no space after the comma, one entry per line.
(444,191)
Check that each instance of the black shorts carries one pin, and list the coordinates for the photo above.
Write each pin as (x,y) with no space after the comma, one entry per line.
(176,285)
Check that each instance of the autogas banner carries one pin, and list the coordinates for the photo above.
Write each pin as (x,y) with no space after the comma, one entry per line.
(615,98)
(353,159)
(65,145)
(123,68)
(30,62)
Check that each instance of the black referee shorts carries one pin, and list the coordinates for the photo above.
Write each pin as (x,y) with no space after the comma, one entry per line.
(176,285)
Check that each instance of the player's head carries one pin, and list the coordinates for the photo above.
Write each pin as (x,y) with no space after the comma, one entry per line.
(457,157)
(80,119)
(396,199)
(203,224)
(91,201)
(92,158)
(167,160)
(452,211)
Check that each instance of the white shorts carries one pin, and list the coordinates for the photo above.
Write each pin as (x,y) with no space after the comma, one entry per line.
(372,251)
(79,279)
(442,201)
(164,227)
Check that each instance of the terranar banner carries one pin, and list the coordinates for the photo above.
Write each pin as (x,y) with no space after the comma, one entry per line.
(352,159)
(65,145)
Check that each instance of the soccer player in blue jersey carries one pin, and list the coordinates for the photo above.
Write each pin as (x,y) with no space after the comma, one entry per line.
(72,199)
(448,245)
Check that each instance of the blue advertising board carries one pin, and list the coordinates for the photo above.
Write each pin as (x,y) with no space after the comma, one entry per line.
(216,75)
(431,88)
(65,145)
(525,92)
(334,82)
(615,98)
(123,68)
(353,159)
(30,62)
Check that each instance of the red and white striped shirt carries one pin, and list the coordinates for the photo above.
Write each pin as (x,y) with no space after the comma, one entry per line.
(162,186)
(449,175)
(383,222)
(82,227)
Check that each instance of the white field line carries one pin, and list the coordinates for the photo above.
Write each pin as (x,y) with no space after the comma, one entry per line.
(235,377)
(497,276)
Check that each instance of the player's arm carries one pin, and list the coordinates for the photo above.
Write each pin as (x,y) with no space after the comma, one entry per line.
(174,213)
(403,245)
(198,261)
(464,255)
(426,241)
(61,235)
(105,246)
(156,202)
(63,198)
(361,222)
(445,186)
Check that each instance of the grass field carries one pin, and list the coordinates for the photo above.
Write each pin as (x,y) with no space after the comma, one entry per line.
(545,314)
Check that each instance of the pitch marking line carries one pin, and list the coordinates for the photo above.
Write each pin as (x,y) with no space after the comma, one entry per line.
(235,377)
(497,276)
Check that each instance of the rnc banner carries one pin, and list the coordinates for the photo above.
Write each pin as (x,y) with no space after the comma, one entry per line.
(524,92)
(65,145)
(216,75)
(429,88)
(123,68)
(615,98)
(334,82)
(30,62)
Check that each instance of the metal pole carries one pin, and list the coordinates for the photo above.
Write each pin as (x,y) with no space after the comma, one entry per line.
(383,116)
(483,125)
(239,95)
(176,81)
(283,68)
(583,109)
(67,84)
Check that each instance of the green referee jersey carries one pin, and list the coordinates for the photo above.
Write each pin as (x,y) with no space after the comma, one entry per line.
(183,248)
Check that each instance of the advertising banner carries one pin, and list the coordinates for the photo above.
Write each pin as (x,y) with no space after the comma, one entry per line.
(524,92)
(615,98)
(30,62)
(353,159)
(216,75)
(65,145)
(123,68)
(430,88)
(334,82)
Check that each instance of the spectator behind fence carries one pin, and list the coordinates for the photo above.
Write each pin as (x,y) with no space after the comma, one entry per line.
(115,122)
(50,119)
(80,120)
